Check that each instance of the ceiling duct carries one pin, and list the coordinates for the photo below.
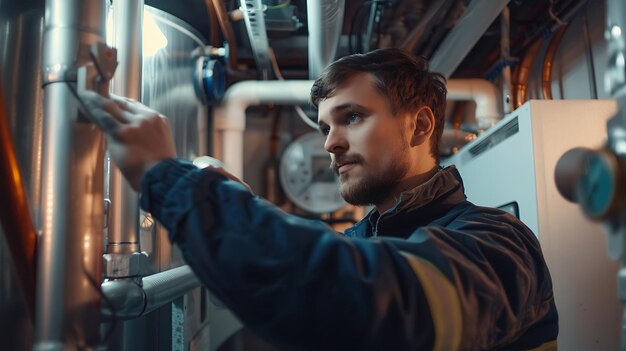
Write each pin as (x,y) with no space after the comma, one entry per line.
(325,21)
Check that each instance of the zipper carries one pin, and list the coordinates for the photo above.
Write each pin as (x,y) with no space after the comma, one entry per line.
(392,209)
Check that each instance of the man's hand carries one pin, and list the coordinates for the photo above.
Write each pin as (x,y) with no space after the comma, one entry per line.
(138,136)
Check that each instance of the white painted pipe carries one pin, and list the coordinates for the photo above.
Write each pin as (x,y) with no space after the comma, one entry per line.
(230,117)
(484,93)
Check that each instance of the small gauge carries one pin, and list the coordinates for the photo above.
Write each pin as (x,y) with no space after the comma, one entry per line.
(306,177)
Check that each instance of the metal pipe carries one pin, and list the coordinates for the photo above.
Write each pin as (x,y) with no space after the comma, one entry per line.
(123,226)
(230,118)
(69,261)
(505,54)
(590,64)
(417,33)
(227,30)
(20,234)
(129,300)
(548,60)
(325,22)
(214,34)
(484,93)
(370,26)
(461,39)
(524,72)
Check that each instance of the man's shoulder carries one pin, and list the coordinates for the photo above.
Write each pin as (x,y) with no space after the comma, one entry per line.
(469,216)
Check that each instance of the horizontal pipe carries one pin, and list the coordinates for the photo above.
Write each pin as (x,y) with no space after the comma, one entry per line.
(484,93)
(230,117)
(125,299)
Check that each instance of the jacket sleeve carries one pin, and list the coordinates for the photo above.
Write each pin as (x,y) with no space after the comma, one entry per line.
(300,285)
(293,281)
(500,280)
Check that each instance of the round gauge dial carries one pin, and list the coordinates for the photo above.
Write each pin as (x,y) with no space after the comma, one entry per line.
(306,177)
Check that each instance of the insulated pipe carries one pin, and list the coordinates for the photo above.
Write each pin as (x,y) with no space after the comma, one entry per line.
(123,226)
(72,204)
(548,60)
(129,300)
(484,93)
(325,22)
(15,218)
(230,117)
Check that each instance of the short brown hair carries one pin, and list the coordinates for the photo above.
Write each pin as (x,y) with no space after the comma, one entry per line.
(403,79)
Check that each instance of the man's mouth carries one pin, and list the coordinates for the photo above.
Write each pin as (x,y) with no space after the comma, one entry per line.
(345,167)
(342,166)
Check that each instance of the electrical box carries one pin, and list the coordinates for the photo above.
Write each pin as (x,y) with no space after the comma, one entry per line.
(511,166)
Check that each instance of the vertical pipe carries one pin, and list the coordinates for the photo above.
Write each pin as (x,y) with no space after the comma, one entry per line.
(549,60)
(325,21)
(505,54)
(123,226)
(15,218)
(589,53)
(69,257)
(524,72)
(227,30)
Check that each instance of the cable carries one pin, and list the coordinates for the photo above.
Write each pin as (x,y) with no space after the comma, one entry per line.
(553,16)
(279,6)
(305,118)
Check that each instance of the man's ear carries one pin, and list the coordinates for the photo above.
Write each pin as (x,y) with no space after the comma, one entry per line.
(423,126)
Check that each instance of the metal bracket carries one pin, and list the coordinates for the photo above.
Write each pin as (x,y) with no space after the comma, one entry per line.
(253,15)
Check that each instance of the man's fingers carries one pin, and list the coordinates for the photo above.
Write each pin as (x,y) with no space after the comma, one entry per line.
(93,108)
(133,106)
(96,102)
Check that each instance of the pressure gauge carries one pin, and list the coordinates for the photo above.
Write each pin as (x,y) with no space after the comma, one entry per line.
(306,177)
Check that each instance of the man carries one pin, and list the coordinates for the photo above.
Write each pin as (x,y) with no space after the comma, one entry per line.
(425,270)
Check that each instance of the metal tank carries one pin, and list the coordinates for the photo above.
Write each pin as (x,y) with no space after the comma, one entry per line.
(21,25)
(171,52)
(169,69)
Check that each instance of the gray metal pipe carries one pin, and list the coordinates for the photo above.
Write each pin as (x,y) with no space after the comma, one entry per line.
(130,300)
(123,226)
(325,22)
(69,262)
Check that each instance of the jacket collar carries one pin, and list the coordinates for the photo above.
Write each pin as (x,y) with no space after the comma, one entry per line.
(416,207)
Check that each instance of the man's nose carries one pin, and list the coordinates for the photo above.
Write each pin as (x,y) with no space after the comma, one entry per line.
(336,142)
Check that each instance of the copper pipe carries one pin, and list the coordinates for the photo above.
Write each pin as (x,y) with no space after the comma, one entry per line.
(222,17)
(524,72)
(17,223)
(214,40)
(547,62)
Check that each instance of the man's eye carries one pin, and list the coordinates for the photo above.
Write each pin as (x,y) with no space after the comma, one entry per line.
(354,118)
(325,131)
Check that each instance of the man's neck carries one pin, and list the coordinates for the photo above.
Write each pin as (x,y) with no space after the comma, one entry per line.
(408,183)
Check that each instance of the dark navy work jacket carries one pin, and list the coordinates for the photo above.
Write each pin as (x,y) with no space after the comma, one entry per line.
(435,272)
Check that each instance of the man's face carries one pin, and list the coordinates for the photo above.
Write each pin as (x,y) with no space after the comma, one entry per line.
(368,146)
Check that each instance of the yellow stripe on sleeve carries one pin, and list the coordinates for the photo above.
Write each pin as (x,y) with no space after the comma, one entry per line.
(444,303)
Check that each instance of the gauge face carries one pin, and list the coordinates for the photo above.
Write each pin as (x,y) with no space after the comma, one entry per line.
(306,177)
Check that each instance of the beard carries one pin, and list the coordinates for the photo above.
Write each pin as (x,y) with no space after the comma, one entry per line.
(372,189)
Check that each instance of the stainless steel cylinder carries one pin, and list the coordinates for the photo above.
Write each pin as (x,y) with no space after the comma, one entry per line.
(123,226)
(70,250)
